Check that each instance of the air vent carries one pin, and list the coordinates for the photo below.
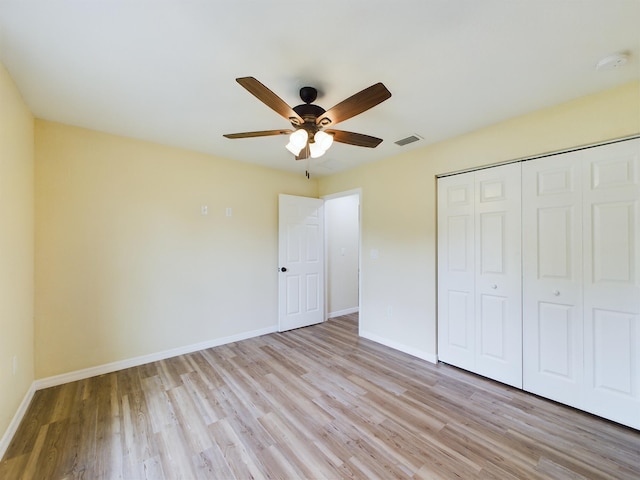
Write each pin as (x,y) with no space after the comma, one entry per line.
(408,140)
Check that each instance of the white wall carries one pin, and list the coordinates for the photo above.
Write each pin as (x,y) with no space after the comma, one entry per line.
(342,233)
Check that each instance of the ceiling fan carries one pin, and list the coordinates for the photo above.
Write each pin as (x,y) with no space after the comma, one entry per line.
(310,136)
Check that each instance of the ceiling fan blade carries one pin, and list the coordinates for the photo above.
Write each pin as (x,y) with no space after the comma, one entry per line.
(261,133)
(358,139)
(354,105)
(270,99)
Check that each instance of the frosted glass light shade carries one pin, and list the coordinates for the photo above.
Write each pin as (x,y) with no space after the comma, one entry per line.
(316,150)
(323,139)
(321,143)
(293,149)
(297,141)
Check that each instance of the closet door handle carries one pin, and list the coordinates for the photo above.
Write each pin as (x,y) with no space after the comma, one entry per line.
(494,286)
(556,293)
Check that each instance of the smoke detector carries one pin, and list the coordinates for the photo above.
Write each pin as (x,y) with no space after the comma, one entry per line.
(611,62)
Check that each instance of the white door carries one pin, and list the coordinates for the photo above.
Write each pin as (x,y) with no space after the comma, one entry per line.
(552,277)
(456,270)
(301,257)
(479,273)
(498,276)
(611,216)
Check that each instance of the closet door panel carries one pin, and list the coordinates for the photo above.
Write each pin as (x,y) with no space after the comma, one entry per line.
(555,329)
(456,290)
(552,277)
(611,209)
(498,304)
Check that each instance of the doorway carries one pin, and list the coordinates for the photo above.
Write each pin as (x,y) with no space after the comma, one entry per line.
(342,253)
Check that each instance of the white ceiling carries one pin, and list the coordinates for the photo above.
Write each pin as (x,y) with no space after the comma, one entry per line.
(164,70)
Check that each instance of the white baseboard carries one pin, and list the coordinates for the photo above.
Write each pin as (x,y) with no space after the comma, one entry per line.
(15,421)
(429,357)
(153,357)
(346,311)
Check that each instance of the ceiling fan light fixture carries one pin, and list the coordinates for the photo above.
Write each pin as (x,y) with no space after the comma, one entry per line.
(293,149)
(297,141)
(323,139)
(308,119)
(315,150)
(299,138)
(321,143)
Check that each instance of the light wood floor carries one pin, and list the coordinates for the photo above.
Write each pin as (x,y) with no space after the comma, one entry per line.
(312,403)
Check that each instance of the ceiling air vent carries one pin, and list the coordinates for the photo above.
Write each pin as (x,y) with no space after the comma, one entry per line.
(408,140)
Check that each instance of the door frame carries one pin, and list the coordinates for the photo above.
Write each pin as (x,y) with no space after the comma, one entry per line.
(346,193)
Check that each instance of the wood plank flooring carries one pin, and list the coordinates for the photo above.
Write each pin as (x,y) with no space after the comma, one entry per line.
(317,402)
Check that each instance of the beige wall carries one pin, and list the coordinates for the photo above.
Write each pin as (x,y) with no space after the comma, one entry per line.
(342,233)
(126,264)
(398,304)
(16,249)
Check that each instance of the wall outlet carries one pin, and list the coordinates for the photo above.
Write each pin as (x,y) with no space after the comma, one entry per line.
(204,210)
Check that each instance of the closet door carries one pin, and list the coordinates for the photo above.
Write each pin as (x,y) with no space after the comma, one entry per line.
(552,277)
(498,279)
(456,271)
(479,273)
(611,213)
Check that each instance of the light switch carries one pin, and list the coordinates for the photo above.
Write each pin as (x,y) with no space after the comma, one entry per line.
(229,212)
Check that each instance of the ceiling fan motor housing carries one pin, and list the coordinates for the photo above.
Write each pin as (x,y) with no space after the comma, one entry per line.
(309,113)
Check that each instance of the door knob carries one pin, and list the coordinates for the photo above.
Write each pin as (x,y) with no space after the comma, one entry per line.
(556,292)
(283,269)
(494,286)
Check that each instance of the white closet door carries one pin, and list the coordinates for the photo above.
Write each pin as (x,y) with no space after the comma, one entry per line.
(456,275)
(611,213)
(552,277)
(568,328)
(498,298)
(479,273)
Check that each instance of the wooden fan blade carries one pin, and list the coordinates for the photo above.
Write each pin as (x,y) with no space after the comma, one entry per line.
(354,105)
(270,99)
(261,133)
(358,139)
